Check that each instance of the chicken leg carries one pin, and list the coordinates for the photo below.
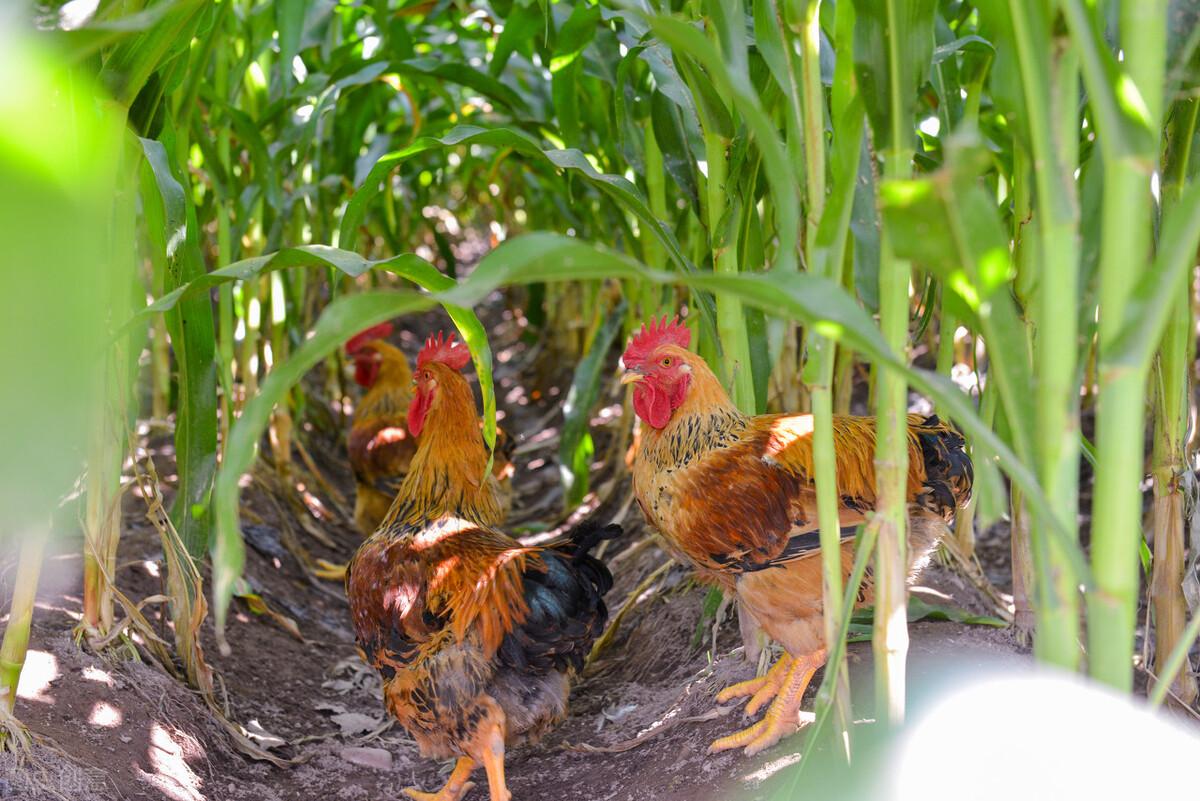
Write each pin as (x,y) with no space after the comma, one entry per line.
(491,754)
(457,786)
(783,715)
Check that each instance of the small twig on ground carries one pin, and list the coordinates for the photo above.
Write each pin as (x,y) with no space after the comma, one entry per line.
(646,736)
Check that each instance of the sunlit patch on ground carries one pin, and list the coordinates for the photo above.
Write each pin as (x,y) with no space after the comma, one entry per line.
(172,775)
(105,715)
(40,672)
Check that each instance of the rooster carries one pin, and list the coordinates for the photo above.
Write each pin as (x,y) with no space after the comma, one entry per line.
(474,634)
(733,497)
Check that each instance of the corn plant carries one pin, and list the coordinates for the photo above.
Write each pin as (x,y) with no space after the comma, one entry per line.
(823,185)
(56,170)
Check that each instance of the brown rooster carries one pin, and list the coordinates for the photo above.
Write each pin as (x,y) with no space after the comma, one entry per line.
(474,634)
(733,496)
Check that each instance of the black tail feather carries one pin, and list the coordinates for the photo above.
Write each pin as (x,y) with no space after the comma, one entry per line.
(565,601)
(949,473)
(587,534)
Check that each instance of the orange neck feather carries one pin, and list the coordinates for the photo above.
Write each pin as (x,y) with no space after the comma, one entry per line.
(389,396)
(447,475)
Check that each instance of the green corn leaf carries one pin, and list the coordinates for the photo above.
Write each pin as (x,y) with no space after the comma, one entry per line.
(892,35)
(672,131)
(736,87)
(521,26)
(464,75)
(576,34)
(408,266)
(340,320)
(289,21)
(575,444)
(918,610)
(1121,115)
(625,194)
(100,33)
(128,68)
(193,338)
(1149,307)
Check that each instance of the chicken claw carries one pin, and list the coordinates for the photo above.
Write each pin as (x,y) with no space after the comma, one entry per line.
(760,688)
(330,571)
(783,716)
(455,788)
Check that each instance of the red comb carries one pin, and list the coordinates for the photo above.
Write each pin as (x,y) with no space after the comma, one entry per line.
(659,332)
(381,331)
(445,350)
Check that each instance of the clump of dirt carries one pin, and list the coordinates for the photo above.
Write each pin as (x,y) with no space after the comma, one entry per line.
(642,715)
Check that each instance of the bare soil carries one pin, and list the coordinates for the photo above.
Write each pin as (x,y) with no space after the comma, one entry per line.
(109,727)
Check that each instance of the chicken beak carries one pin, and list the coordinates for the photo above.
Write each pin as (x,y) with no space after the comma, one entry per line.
(631,377)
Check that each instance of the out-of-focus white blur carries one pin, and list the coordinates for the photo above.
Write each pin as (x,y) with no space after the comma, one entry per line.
(985,724)
(1038,735)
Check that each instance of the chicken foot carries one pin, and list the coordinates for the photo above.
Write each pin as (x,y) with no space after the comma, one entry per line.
(783,715)
(457,786)
(328,570)
(760,688)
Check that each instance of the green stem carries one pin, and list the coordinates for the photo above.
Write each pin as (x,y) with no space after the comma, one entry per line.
(1054,351)
(16,634)
(656,193)
(224,255)
(890,637)
(731,322)
(1120,415)
(818,373)
(814,118)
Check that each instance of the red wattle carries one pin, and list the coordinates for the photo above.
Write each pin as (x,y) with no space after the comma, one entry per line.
(417,411)
(365,372)
(652,405)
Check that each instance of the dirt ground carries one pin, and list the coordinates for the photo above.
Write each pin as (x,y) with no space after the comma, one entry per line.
(112,728)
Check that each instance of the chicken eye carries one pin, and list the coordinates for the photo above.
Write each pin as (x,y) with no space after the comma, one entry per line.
(666,362)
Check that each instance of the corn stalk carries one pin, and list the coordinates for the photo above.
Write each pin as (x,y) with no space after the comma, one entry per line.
(1172,386)
(1124,259)
(893,70)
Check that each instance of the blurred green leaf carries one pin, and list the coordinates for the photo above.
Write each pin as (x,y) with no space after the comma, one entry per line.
(948,223)
(575,447)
